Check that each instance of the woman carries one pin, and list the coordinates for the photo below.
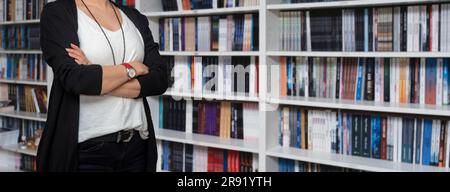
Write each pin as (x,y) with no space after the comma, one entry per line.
(105,63)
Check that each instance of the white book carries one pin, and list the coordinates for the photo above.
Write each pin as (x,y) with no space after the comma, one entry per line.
(414,142)
(410,25)
(443,27)
(421,141)
(180,5)
(159,159)
(189,116)
(214,4)
(36,105)
(198,79)
(433,141)
(396,32)
(310,129)
(417,26)
(286,132)
(435,28)
(447,29)
(255,163)
(228,75)
(447,152)
(253,81)
(220,87)
(223,34)
(423,28)
(281,33)
(304,61)
(397,80)
(422,80)
(377,80)
(251,128)
(308,32)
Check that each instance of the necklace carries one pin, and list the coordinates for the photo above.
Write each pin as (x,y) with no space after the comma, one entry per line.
(106,36)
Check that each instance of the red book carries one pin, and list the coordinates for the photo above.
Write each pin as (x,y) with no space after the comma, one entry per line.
(383,144)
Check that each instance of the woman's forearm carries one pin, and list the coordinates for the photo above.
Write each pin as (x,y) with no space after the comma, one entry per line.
(113,77)
(130,89)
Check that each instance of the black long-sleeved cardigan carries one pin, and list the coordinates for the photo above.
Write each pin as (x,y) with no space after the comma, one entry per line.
(58,147)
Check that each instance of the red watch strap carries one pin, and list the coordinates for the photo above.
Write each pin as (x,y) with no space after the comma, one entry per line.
(127,65)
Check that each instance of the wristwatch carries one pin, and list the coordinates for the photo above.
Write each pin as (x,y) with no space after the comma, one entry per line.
(131,72)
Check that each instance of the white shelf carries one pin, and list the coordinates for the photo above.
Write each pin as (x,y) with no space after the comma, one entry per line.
(250,146)
(346,4)
(216,53)
(3,51)
(24,82)
(352,162)
(212,96)
(9,170)
(359,54)
(369,106)
(17,149)
(35,21)
(218,11)
(25,115)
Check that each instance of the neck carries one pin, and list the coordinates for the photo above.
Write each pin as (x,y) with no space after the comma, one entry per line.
(97,3)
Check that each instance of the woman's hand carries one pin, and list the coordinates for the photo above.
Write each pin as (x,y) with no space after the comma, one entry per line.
(141,69)
(76,53)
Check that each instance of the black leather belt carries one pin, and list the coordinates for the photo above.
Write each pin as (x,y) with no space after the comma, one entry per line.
(124,136)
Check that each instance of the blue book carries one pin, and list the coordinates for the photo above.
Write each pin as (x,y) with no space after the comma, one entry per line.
(290,77)
(225,160)
(161,112)
(359,80)
(430,81)
(299,141)
(445,79)
(161,34)
(340,134)
(418,133)
(426,150)
(349,130)
(376,133)
(366,30)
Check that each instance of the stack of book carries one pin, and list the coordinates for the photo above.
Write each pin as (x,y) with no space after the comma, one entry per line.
(418,28)
(26,98)
(29,131)
(23,67)
(417,140)
(222,119)
(287,165)
(210,33)
(183,5)
(221,75)
(178,157)
(391,80)
(20,37)
(18,10)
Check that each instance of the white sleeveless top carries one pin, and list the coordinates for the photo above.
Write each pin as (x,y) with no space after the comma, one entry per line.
(102,115)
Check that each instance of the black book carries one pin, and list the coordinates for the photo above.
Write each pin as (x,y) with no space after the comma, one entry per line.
(359,29)
(387,80)
(404,28)
(239,121)
(366,135)
(195,116)
(356,135)
(370,80)
(311,87)
(188,158)
(255,33)
(338,77)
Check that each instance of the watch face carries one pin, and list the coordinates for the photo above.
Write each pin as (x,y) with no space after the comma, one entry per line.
(131,73)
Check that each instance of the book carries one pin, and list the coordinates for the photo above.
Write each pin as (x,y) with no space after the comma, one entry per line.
(178,157)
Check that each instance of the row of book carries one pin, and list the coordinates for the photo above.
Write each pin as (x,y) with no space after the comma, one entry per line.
(178,157)
(19,10)
(210,33)
(129,3)
(223,119)
(183,5)
(20,37)
(403,28)
(26,98)
(288,165)
(29,131)
(400,139)
(214,74)
(23,67)
(27,163)
(393,80)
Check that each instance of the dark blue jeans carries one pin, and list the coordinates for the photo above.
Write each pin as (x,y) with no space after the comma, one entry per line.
(99,156)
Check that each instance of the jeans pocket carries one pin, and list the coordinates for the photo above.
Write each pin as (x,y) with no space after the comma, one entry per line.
(88,147)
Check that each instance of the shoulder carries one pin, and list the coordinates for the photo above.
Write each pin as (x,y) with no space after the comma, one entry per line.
(57,9)
(137,17)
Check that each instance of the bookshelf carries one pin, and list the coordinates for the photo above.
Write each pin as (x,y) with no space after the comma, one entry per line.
(266,146)
(268,149)
(44,84)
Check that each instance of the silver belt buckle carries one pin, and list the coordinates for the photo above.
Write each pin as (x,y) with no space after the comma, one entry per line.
(119,138)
